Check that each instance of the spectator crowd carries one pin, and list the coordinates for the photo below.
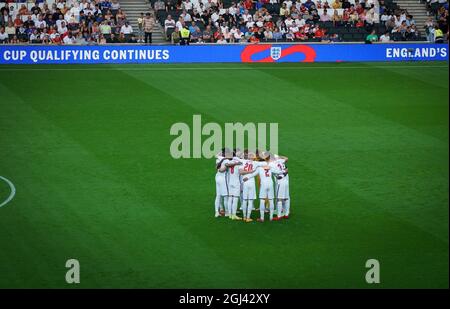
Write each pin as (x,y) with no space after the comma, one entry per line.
(436,27)
(219,21)
(264,20)
(64,22)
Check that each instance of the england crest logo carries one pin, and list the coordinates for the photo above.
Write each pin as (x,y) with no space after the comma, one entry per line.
(275,53)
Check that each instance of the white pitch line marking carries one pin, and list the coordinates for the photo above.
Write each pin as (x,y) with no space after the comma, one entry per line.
(12,194)
(221,68)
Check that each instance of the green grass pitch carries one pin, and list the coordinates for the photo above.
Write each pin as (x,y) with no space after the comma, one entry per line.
(87,148)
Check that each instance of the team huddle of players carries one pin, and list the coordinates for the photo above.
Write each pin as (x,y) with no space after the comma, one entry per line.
(238,173)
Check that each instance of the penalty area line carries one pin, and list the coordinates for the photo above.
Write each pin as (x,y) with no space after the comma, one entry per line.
(13,191)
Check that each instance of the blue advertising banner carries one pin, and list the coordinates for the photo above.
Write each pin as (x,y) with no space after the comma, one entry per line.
(42,54)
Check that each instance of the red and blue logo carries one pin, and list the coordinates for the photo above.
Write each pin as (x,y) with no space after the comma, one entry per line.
(271,53)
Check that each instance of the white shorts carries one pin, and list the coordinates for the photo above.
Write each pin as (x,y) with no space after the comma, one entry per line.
(249,191)
(234,189)
(282,189)
(221,186)
(266,191)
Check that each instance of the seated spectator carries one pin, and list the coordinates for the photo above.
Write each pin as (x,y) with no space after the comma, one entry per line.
(248,34)
(120,14)
(300,35)
(186,5)
(105,5)
(122,38)
(175,36)
(192,27)
(10,30)
(410,20)
(260,3)
(324,17)
(115,6)
(221,40)
(105,29)
(253,39)
(35,37)
(186,16)
(290,36)
(284,11)
(385,38)
(79,39)
(372,37)
(69,39)
(112,38)
(238,36)
(336,4)
(385,17)
(4,38)
(126,30)
(63,28)
(159,5)
(360,24)
(308,4)
(318,33)
(277,35)
(196,35)
(390,24)
(334,38)
(101,40)
(171,5)
(248,4)
(410,33)
(268,34)
(336,18)
(207,34)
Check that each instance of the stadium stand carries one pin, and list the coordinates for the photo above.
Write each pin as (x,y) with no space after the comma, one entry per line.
(302,20)
(218,21)
(437,11)
(64,22)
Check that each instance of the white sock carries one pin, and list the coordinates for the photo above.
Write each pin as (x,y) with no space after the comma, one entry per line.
(279,205)
(217,203)
(221,205)
(225,203)
(235,205)
(271,209)
(261,209)
(244,208)
(249,208)
(230,205)
(287,207)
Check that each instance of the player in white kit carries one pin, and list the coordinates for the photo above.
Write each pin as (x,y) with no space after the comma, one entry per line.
(266,190)
(234,186)
(239,156)
(221,185)
(278,164)
(248,172)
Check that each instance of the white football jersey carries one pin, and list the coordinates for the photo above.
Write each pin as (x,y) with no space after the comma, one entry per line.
(233,173)
(224,161)
(278,166)
(265,173)
(248,166)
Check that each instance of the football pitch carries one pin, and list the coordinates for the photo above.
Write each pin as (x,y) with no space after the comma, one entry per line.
(87,149)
